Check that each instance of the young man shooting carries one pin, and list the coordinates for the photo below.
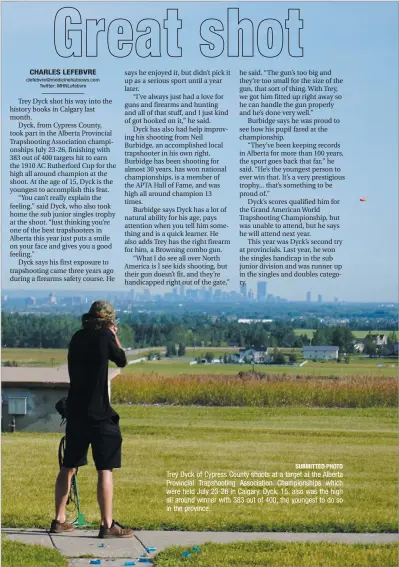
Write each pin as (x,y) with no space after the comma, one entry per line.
(91,419)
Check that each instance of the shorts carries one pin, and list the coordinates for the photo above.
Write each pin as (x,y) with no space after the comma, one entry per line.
(104,437)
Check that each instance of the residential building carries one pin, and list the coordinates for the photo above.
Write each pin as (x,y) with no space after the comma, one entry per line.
(248,354)
(323,352)
(359,345)
(380,340)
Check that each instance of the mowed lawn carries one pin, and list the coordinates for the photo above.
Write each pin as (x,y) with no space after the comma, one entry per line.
(276,554)
(16,554)
(47,357)
(37,357)
(180,367)
(161,439)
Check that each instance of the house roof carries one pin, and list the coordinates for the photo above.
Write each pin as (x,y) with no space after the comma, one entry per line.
(320,348)
(38,377)
(376,336)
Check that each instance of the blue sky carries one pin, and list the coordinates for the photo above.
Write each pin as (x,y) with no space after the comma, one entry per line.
(358,41)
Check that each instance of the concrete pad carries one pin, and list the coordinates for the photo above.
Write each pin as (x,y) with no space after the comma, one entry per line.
(116,551)
(80,542)
(31,536)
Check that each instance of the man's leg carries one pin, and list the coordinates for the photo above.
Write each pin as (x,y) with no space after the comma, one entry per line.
(62,488)
(104,496)
(106,445)
(75,455)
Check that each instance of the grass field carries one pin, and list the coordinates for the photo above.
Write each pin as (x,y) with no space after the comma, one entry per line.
(178,367)
(250,554)
(160,439)
(47,357)
(275,554)
(37,357)
(16,554)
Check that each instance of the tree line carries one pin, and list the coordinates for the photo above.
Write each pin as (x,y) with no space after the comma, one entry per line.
(149,330)
(142,330)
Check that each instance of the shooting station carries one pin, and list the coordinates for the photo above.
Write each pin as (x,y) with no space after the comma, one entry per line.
(29,396)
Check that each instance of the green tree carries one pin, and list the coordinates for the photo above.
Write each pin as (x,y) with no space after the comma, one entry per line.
(279,358)
(370,345)
(339,336)
(181,351)
(322,336)
(391,340)
(343,338)
(170,349)
(209,356)
(126,335)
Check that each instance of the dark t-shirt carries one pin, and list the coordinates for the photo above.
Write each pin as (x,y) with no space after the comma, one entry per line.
(88,355)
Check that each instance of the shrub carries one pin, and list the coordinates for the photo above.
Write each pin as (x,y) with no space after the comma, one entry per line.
(279,358)
(11,363)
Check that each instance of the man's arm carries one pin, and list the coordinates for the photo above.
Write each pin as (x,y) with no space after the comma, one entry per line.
(116,352)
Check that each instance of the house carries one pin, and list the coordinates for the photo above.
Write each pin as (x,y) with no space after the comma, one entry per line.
(29,396)
(379,340)
(248,354)
(249,321)
(359,345)
(323,352)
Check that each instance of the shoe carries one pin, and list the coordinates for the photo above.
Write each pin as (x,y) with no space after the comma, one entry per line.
(116,530)
(59,528)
